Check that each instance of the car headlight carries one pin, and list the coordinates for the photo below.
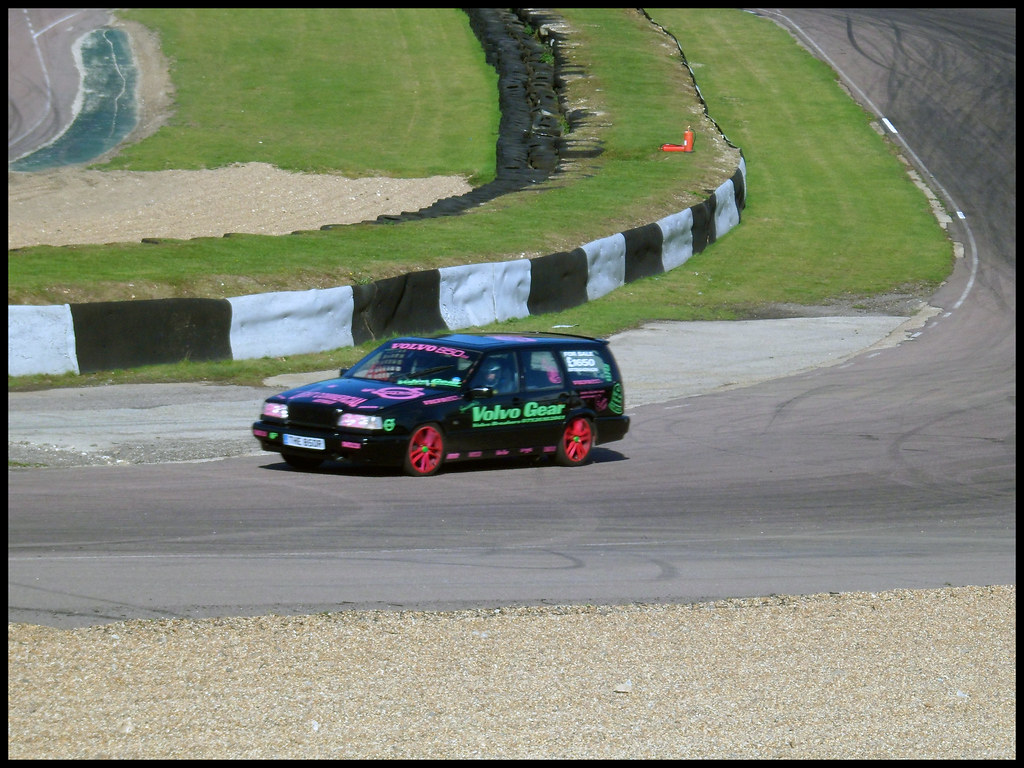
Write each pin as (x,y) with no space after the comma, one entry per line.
(275,410)
(360,421)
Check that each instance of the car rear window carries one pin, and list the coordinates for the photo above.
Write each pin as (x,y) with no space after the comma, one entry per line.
(588,366)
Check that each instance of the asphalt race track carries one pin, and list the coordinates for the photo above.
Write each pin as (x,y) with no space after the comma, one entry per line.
(42,81)
(895,469)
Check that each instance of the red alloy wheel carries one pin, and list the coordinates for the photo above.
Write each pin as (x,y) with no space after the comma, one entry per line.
(425,451)
(577,440)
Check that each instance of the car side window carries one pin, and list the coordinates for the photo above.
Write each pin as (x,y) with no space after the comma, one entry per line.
(540,370)
(499,372)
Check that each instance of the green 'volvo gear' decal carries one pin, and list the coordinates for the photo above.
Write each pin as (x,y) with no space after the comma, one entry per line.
(497,415)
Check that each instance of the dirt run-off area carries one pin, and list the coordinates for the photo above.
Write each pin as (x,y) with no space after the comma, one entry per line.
(75,206)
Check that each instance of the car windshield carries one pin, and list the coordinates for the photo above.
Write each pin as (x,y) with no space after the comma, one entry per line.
(416,363)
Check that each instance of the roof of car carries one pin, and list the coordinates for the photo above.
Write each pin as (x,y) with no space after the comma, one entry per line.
(493,340)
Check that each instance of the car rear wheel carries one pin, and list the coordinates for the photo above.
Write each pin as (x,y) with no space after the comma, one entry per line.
(302,461)
(576,442)
(425,452)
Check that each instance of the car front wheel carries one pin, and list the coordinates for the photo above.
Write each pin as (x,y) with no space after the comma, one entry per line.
(576,443)
(425,451)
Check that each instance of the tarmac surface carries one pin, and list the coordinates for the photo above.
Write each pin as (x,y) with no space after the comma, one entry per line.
(42,79)
(154,423)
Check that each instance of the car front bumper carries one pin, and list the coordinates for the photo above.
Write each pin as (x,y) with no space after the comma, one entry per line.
(351,446)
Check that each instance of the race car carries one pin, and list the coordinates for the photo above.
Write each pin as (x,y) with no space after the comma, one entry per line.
(419,403)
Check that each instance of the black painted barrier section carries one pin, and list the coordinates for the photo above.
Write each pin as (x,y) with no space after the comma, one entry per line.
(643,252)
(703,224)
(126,334)
(558,281)
(739,190)
(398,305)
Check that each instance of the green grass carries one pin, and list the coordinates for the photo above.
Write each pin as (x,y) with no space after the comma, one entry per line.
(319,90)
(830,210)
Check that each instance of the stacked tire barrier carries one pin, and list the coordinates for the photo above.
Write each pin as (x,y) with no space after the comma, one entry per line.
(83,338)
(530,131)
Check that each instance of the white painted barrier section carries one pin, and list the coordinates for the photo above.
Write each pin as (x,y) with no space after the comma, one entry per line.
(730,202)
(467,295)
(606,265)
(479,294)
(291,322)
(40,340)
(677,239)
(512,281)
(727,215)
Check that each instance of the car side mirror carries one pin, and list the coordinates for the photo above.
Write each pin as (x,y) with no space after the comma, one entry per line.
(342,371)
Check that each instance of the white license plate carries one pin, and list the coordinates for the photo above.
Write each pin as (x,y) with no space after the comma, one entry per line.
(297,441)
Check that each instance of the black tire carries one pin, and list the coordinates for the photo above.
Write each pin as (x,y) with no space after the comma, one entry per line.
(302,461)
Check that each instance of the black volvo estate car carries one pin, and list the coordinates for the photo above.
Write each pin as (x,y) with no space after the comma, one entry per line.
(418,403)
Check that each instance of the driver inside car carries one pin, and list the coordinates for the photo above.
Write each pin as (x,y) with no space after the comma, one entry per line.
(498,375)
